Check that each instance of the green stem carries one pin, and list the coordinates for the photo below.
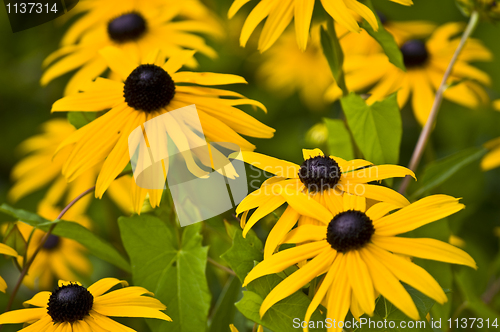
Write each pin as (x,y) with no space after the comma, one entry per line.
(426,131)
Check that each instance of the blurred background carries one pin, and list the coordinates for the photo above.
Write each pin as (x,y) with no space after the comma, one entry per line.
(24,105)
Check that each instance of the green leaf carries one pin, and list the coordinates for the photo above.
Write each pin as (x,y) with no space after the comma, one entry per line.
(282,316)
(385,39)
(437,172)
(23,215)
(244,251)
(385,310)
(224,308)
(80,119)
(334,54)
(377,129)
(241,258)
(339,139)
(74,231)
(172,267)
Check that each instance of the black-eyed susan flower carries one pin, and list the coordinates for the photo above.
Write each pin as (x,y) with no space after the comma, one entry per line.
(58,258)
(74,308)
(358,254)
(281,73)
(136,27)
(6,250)
(426,62)
(320,181)
(143,92)
(40,168)
(280,13)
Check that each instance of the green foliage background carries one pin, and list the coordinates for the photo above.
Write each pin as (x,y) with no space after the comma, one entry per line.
(24,105)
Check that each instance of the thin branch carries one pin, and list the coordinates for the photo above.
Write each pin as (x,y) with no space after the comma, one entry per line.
(220,266)
(426,131)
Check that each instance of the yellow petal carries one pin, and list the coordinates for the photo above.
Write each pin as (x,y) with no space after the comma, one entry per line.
(306,205)
(260,12)
(425,248)
(269,206)
(284,224)
(39,300)
(206,78)
(340,13)
(237,4)
(6,250)
(279,18)
(307,153)
(363,11)
(118,61)
(326,283)
(317,266)
(389,286)
(410,273)
(339,298)
(306,233)
(286,258)
(379,210)
(269,164)
(22,316)
(360,281)
(302,17)
(102,286)
(354,202)
(378,193)
(422,212)
(376,173)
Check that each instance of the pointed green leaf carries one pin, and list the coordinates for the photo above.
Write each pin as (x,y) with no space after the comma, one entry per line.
(385,39)
(334,54)
(174,270)
(339,139)
(74,231)
(377,129)
(437,172)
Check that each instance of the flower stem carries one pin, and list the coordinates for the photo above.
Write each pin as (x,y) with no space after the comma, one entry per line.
(426,131)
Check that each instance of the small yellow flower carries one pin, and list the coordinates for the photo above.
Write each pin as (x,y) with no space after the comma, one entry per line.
(357,252)
(72,307)
(136,27)
(143,91)
(425,61)
(320,181)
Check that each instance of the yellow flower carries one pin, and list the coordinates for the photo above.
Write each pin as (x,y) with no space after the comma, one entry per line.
(133,100)
(492,159)
(320,181)
(5,250)
(280,13)
(72,307)
(357,252)
(59,258)
(41,167)
(136,27)
(426,63)
(286,69)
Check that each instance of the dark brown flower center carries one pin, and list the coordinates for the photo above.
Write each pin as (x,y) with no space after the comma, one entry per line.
(127,27)
(70,303)
(52,242)
(319,173)
(415,53)
(349,230)
(148,88)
